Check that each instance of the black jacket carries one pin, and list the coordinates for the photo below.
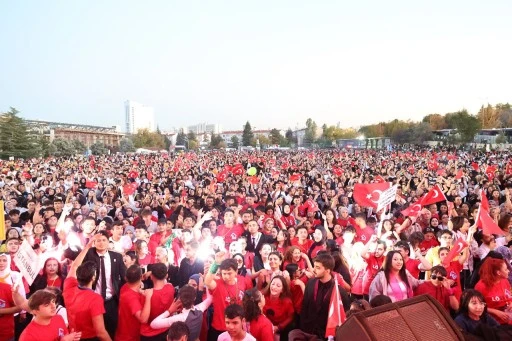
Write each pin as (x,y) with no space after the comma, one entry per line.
(117,267)
(264,239)
(313,316)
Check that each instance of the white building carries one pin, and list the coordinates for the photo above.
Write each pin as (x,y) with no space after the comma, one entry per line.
(202,128)
(139,116)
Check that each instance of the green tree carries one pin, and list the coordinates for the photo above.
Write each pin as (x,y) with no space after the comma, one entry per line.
(60,147)
(310,134)
(275,136)
(467,125)
(78,146)
(99,148)
(263,140)
(192,136)
(247,135)
(146,139)
(217,142)
(436,121)
(193,145)
(235,142)
(126,145)
(181,138)
(289,137)
(16,138)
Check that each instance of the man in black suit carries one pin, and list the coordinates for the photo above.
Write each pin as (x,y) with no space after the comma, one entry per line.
(256,239)
(111,274)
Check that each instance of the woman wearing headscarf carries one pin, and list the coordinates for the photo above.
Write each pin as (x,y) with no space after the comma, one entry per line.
(319,241)
(507,257)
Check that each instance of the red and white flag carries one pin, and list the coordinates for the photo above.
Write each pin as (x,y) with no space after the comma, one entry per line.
(484,203)
(457,248)
(487,224)
(434,195)
(336,312)
(490,171)
(368,195)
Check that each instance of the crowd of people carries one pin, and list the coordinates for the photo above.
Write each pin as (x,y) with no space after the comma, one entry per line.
(249,245)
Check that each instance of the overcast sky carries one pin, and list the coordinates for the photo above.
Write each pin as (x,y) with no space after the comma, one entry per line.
(274,63)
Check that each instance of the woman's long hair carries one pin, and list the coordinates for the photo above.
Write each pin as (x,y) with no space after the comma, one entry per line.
(488,271)
(251,300)
(466,297)
(388,265)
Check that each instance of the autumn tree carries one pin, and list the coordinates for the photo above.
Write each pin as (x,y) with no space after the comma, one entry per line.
(436,121)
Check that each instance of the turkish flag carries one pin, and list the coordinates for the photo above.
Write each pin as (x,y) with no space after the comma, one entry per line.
(90,184)
(133,175)
(368,195)
(129,189)
(221,177)
(484,203)
(275,174)
(413,210)
(338,171)
(336,314)
(441,171)
(253,180)
(27,175)
(489,171)
(432,165)
(228,168)
(285,166)
(434,195)
(487,224)
(459,174)
(457,248)
(149,175)
(295,177)
(237,169)
(379,179)
(475,166)
(411,170)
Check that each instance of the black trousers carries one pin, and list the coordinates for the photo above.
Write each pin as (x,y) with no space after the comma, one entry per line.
(110,317)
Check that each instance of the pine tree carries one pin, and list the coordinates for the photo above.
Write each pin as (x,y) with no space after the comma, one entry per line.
(247,135)
(16,139)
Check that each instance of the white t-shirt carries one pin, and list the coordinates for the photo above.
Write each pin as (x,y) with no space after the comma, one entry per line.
(225,337)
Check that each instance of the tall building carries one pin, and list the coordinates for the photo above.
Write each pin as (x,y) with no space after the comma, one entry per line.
(138,116)
(202,128)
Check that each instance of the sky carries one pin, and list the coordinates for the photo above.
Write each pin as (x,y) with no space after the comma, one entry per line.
(272,63)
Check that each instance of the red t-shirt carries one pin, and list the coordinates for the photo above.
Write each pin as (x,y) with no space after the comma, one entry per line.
(304,248)
(346,222)
(428,244)
(282,308)
(54,283)
(288,221)
(82,305)
(496,297)
(357,281)
(160,302)
(51,332)
(230,234)
(316,250)
(363,235)
(440,293)
(261,328)
(224,295)
(297,296)
(130,302)
(412,266)
(373,266)
(7,320)
(453,272)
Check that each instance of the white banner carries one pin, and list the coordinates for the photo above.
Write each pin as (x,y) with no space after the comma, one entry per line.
(387,197)
(28,262)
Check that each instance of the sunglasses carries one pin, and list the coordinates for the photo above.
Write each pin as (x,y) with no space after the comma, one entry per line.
(438,277)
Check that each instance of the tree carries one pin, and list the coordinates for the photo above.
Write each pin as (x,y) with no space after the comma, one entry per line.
(275,136)
(126,146)
(99,148)
(289,137)
(489,117)
(263,140)
(181,138)
(217,142)
(436,121)
(191,136)
(247,135)
(16,138)
(310,134)
(146,139)
(235,142)
(78,146)
(193,144)
(60,147)
(467,125)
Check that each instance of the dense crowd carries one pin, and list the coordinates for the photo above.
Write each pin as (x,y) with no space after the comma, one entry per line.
(250,245)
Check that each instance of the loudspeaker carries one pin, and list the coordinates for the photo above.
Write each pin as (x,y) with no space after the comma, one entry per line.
(419,318)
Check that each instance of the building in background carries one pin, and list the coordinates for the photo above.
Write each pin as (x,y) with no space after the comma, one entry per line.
(202,128)
(138,116)
(87,134)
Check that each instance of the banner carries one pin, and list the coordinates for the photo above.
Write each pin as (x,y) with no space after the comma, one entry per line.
(387,197)
(27,261)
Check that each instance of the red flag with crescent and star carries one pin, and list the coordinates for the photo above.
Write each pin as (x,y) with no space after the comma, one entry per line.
(368,195)
(413,210)
(457,248)
(336,312)
(434,195)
